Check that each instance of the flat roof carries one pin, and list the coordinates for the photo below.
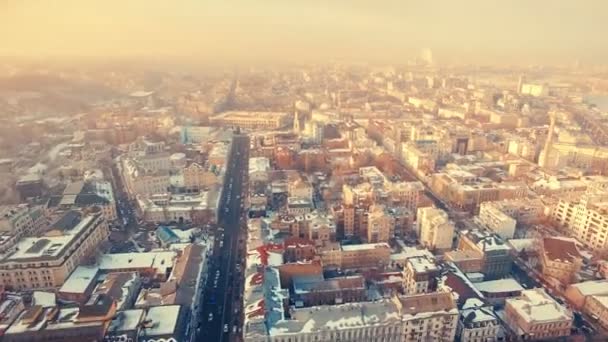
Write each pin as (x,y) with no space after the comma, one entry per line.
(80,279)
(500,285)
(47,246)
(592,287)
(365,246)
(160,261)
(164,320)
(127,320)
(536,305)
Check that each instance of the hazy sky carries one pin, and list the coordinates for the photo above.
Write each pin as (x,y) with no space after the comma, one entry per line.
(292,30)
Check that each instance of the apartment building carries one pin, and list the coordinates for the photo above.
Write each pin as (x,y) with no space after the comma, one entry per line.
(597,308)
(497,221)
(46,261)
(21,220)
(380,224)
(17,221)
(430,316)
(524,211)
(560,259)
(585,218)
(251,120)
(536,316)
(495,254)
(435,229)
(369,255)
(197,178)
(420,275)
(466,191)
(478,322)
(315,290)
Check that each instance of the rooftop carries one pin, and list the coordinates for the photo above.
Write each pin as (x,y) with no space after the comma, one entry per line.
(537,306)
(80,279)
(423,264)
(498,286)
(161,320)
(49,246)
(124,321)
(364,247)
(592,287)
(561,249)
(160,261)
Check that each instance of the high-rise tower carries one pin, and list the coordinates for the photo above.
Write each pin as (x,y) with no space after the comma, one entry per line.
(543,158)
(520,83)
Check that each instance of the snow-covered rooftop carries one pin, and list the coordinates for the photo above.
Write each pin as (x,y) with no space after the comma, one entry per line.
(500,285)
(536,305)
(592,287)
(80,279)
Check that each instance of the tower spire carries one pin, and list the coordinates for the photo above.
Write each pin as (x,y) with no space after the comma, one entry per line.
(543,159)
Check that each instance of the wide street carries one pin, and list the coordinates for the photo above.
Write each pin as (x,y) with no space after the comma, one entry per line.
(220,316)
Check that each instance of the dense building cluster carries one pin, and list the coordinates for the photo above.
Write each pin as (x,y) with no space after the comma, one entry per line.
(336,203)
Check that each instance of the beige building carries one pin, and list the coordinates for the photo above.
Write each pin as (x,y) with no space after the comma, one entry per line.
(46,261)
(300,188)
(435,229)
(197,178)
(560,259)
(17,221)
(369,255)
(536,316)
(497,221)
(466,191)
(420,275)
(251,120)
(597,308)
(21,220)
(586,218)
(578,294)
(524,211)
(319,227)
(380,224)
(406,194)
(139,181)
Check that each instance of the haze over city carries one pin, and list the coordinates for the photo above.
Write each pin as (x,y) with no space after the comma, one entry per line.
(461,32)
(303,171)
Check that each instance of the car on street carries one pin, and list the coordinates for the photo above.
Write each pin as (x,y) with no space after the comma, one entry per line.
(225,328)
(210,317)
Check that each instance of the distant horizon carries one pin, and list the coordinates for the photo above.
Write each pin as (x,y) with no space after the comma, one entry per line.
(520,32)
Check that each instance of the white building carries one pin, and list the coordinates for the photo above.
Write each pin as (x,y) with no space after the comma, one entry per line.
(435,229)
(431,316)
(535,315)
(586,218)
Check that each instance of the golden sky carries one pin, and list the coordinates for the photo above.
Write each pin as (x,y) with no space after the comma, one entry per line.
(293,30)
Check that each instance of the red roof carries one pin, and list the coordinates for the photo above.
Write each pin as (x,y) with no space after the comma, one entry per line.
(258,311)
(561,249)
(257,279)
